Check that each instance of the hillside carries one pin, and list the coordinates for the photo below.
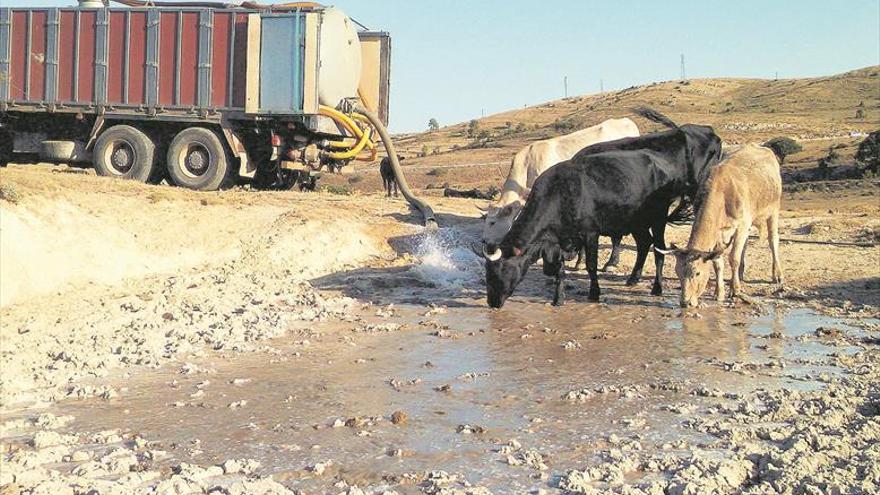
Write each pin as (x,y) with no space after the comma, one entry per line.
(818,111)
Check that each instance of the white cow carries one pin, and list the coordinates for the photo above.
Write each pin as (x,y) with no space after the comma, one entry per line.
(533,160)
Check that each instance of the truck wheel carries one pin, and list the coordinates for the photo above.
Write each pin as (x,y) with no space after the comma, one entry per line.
(5,147)
(125,152)
(197,160)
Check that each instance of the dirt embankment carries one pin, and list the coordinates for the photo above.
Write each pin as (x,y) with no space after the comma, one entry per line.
(90,265)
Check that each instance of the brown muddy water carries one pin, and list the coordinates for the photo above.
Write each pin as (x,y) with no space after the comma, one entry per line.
(468,379)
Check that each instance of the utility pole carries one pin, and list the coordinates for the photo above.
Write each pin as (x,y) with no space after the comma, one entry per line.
(776,76)
(683,73)
(601,87)
(565,83)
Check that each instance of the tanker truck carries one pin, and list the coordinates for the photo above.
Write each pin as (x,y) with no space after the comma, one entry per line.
(198,94)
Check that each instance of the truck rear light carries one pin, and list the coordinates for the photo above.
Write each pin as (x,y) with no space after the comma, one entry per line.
(276,140)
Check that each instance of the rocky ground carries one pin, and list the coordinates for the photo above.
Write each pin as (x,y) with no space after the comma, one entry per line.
(104,282)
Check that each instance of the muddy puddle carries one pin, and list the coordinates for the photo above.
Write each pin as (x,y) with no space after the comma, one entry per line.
(468,382)
(509,399)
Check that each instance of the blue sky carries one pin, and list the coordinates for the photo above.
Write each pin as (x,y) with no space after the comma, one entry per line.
(455,59)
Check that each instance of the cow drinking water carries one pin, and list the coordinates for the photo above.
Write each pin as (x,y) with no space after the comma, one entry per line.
(744,190)
(535,159)
(624,189)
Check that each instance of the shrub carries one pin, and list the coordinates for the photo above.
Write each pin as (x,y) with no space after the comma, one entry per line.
(354,179)
(783,146)
(860,113)
(436,172)
(341,190)
(9,193)
(563,125)
(472,128)
(424,151)
(830,160)
(433,125)
(868,153)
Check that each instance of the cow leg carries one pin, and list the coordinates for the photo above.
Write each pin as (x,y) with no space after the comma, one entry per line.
(581,262)
(659,239)
(742,263)
(559,295)
(773,237)
(615,254)
(739,243)
(718,263)
(394,182)
(643,245)
(591,244)
(387,187)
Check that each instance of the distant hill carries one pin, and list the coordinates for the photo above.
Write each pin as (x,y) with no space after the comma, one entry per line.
(819,112)
(741,110)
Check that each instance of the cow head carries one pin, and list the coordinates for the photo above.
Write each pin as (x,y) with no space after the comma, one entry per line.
(499,220)
(503,273)
(693,268)
(703,151)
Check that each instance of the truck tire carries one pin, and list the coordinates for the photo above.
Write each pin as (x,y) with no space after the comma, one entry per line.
(5,147)
(125,152)
(197,160)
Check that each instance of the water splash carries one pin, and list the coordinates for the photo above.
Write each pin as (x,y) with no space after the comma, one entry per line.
(445,259)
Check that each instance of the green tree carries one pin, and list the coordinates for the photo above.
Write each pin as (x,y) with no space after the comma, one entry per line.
(433,125)
(472,128)
(783,146)
(868,152)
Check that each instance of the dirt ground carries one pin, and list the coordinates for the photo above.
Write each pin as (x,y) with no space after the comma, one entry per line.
(157,340)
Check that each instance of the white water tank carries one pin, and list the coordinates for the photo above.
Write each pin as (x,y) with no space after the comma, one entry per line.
(339,75)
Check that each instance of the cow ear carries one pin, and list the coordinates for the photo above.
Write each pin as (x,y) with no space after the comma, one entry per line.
(517,251)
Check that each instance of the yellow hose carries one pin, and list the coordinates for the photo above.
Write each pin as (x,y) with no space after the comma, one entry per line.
(346,122)
(345,155)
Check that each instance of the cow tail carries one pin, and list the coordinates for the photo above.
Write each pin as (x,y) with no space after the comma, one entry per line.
(655,116)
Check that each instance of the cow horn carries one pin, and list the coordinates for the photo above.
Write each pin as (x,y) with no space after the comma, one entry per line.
(484,210)
(719,249)
(493,256)
(673,249)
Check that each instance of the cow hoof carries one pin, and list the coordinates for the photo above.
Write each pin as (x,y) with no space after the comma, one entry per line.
(594,296)
(657,290)
(631,281)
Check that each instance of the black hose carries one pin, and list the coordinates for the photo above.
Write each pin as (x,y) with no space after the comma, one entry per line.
(427,212)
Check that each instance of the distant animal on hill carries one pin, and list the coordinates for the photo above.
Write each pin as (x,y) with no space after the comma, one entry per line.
(744,190)
(625,189)
(389,180)
(535,159)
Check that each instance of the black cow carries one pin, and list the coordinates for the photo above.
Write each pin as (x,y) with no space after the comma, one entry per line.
(614,189)
(389,180)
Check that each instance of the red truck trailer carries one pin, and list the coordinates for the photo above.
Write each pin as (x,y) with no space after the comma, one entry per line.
(196,95)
